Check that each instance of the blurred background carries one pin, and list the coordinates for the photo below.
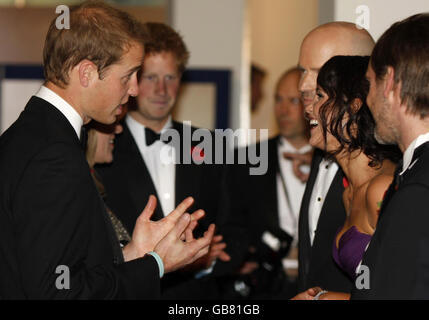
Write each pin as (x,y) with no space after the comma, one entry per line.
(225,37)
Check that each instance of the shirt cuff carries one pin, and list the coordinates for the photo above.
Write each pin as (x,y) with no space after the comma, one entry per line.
(205,272)
(159,262)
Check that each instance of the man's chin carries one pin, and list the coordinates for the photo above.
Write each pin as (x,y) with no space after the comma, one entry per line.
(382,140)
(106,121)
(316,144)
(159,116)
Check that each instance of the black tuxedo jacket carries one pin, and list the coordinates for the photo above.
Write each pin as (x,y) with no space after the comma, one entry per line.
(128,182)
(398,255)
(253,205)
(316,264)
(262,201)
(128,186)
(51,215)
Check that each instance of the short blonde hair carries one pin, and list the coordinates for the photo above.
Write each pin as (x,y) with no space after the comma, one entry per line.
(98,32)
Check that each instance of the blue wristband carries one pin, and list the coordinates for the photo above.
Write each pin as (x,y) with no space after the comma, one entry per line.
(159,262)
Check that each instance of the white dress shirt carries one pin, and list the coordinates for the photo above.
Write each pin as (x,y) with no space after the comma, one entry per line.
(288,216)
(289,211)
(408,154)
(162,174)
(63,106)
(325,176)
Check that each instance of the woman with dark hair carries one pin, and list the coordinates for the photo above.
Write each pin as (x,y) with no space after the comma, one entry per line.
(342,125)
(99,149)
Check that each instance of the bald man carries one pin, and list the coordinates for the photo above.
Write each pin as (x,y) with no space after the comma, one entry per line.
(322,211)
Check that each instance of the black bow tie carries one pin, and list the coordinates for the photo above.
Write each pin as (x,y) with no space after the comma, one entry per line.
(151,136)
(83,137)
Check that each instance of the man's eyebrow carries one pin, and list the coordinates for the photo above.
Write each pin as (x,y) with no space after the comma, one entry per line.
(301,68)
(135,69)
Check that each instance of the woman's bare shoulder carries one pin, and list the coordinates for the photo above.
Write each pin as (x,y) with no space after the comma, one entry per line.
(375,192)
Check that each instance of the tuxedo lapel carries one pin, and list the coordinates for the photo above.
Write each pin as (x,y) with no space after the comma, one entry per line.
(139,179)
(398,179)
(304,234)
(188,181)
(188,176)
(270,191)
(331,217)
(391,190)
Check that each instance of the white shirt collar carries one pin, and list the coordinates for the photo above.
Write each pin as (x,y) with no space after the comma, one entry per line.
(286,146)
(137,129)
(408,154)
(134,125)
(63,106)
(131,122)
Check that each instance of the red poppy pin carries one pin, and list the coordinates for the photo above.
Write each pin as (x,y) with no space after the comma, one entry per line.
(197,154)
(345,182)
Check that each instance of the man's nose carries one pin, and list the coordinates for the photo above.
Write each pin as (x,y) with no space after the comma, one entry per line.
(308,111)
(284,108)
(134,87)
(304,82)
(161,87)
(307,85)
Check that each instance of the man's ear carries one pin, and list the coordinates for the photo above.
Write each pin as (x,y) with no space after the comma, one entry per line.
(356,104)
(389,81)
(87,72)
(391,88)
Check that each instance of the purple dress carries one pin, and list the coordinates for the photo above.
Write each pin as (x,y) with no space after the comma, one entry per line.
(351,248)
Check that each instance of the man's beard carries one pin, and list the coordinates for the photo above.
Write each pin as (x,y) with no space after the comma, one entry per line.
(379,139)
(386,140)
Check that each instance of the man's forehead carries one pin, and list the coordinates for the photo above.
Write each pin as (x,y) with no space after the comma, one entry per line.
(315,56)
(133,51)
(165,61)
(324,43)
(289,80)
(131,59)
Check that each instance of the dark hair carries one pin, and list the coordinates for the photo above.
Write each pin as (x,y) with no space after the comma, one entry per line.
(343,79)
(405,47)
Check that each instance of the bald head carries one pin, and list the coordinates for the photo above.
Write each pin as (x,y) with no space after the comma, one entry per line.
(324,42)
(342,38)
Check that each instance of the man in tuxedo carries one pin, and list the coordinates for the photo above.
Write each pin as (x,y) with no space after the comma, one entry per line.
(397,258)
(272,200)
(322,211)
(138,170)
(56,240)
